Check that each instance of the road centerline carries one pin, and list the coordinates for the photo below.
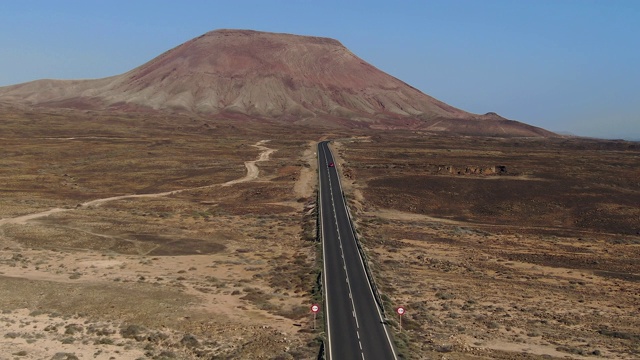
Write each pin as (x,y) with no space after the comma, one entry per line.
(347,286)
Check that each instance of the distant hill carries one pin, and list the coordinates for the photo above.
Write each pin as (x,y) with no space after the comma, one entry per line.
(300,79)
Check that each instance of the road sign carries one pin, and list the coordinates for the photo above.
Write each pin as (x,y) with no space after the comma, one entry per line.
(314,309)
(400,310)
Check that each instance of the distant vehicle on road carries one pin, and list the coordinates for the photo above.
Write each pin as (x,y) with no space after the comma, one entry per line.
(331,164)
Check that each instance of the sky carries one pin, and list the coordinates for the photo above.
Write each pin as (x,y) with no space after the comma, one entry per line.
(570,66)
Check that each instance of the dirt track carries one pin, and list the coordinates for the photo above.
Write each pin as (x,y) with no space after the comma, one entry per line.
(252,174)
(170,272)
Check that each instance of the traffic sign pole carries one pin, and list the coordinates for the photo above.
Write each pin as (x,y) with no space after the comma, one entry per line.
(400,312)
(314,309)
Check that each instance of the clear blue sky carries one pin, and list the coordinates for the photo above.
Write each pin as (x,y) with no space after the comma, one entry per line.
(564,65)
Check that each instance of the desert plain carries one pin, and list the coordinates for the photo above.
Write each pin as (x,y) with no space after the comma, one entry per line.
(148,236)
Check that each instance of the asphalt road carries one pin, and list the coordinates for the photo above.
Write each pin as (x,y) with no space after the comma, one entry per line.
(355,328)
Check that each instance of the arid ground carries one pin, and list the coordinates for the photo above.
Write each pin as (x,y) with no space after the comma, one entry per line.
(217,259)
(497,248)
(501,248)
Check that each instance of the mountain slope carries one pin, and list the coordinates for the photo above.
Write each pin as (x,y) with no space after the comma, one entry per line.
(266,75)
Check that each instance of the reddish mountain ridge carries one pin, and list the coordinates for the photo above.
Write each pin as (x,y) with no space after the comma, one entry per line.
(267,75)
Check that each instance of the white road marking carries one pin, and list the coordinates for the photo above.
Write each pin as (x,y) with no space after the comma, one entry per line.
(353,305)
(393,350)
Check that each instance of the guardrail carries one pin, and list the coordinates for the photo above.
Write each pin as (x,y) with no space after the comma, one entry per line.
(363,255)
(365,261)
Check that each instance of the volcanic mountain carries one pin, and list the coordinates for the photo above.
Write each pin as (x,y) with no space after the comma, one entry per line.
(266,76)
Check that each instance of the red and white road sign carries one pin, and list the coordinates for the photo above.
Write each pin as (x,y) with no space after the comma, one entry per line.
(315,308)
(400,311)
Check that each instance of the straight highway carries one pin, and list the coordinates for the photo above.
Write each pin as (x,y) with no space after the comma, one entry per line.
(355,325)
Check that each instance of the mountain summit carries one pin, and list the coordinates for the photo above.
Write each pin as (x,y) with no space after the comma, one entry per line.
(266,75)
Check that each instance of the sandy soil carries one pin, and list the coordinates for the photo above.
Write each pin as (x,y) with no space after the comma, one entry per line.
(519,265)
(497,248)
(76,299)
(252,174)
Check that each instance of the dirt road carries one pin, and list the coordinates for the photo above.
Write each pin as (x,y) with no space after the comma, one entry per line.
(252,174)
